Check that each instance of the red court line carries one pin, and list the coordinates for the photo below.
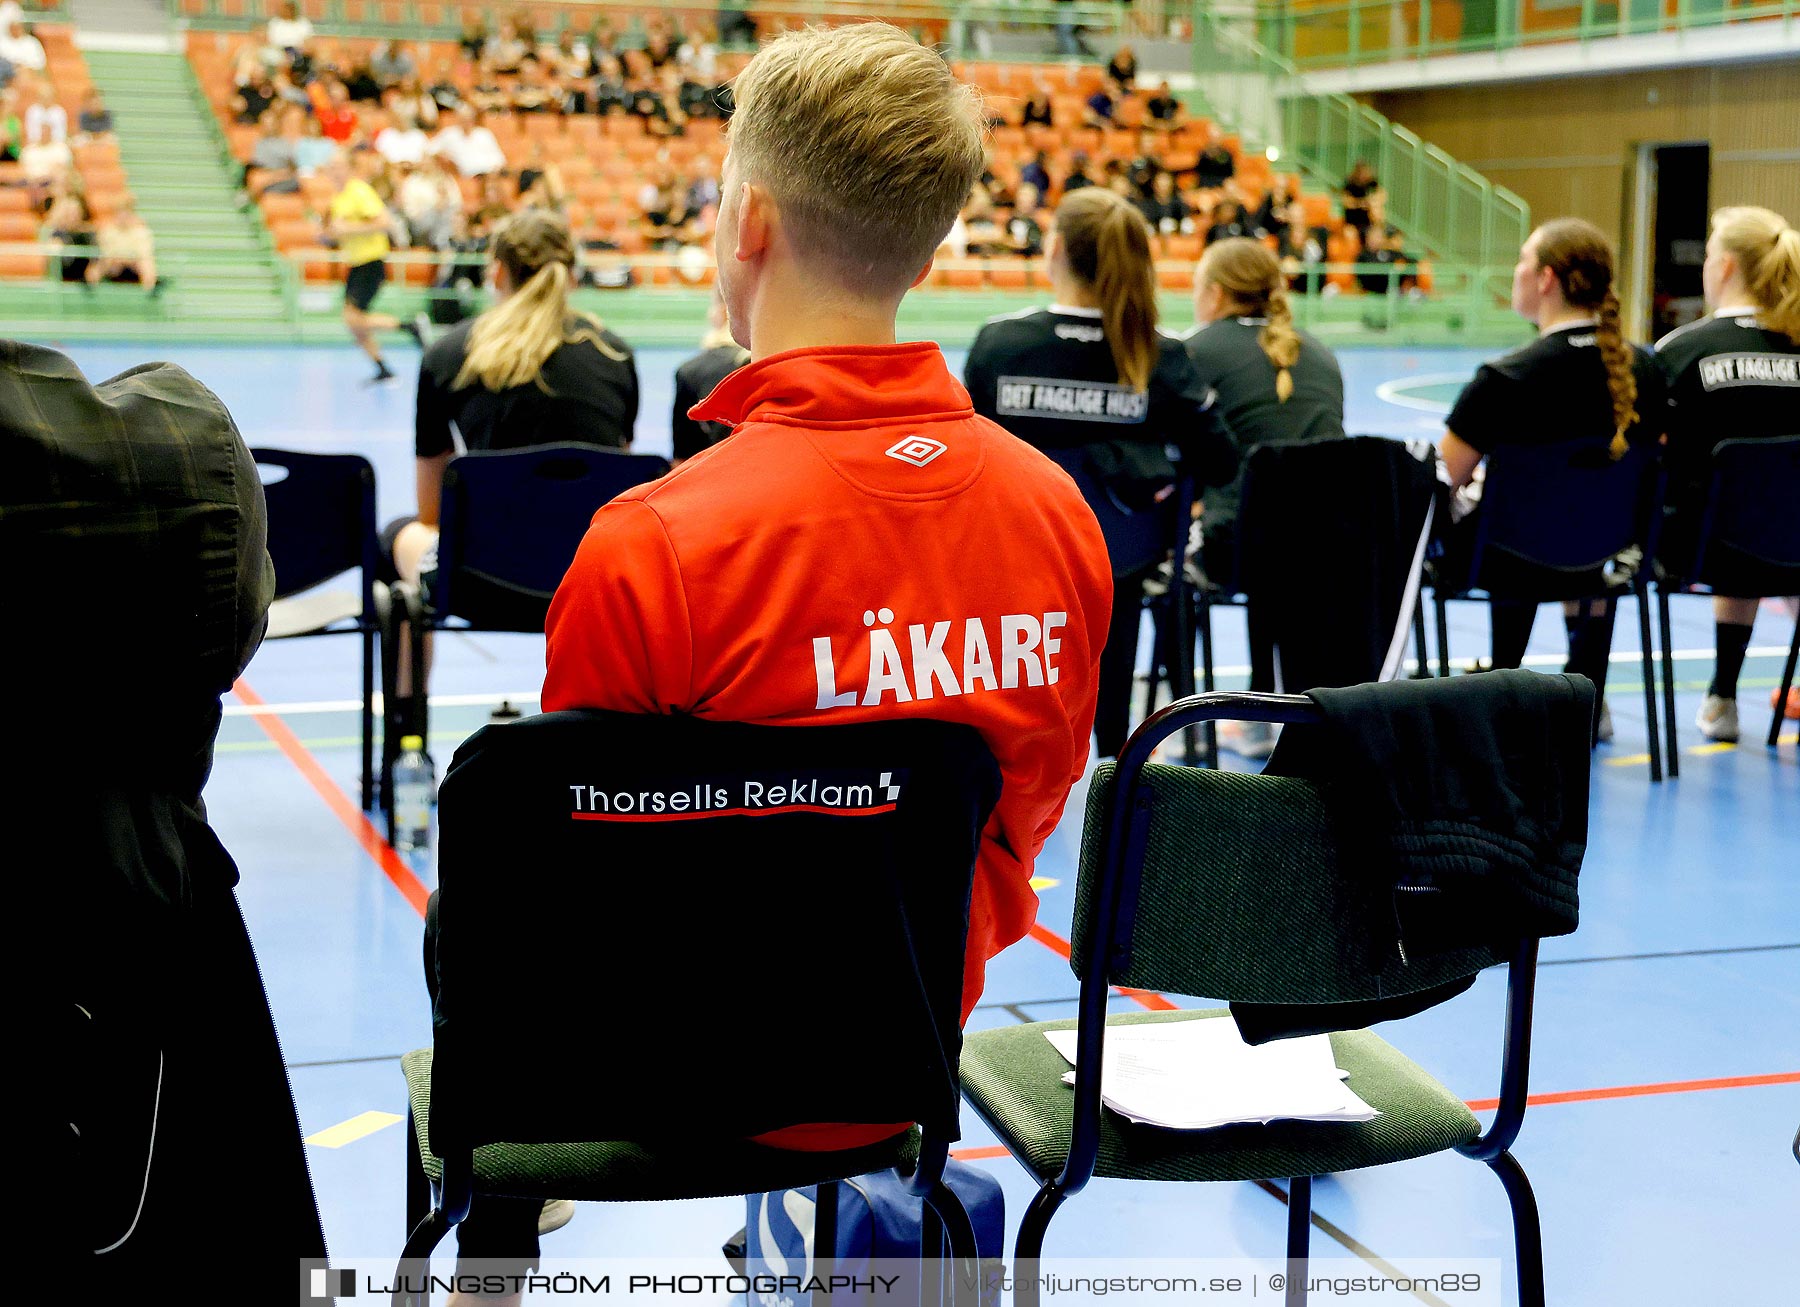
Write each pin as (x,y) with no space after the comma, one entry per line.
(1142,997)
(357,822)
(1645,1091)
(733,812)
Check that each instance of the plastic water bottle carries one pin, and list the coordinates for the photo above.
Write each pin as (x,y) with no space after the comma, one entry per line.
(415,794)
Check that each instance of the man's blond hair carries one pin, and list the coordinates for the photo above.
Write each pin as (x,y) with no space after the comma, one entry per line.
(867,143)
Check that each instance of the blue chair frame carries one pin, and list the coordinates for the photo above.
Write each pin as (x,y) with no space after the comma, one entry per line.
(1558,514)
(321,525)
(1753,511)
(1115,902)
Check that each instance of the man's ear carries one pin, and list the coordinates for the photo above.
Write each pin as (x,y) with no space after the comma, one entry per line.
(755,214)
(1547,283)
(924,272)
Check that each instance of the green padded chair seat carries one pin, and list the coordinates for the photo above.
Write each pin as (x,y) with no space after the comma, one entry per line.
(1014,1078)
(631,1172)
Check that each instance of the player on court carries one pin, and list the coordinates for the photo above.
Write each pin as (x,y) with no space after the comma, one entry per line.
(1092,372)
(1276,385)
(864,547)
(1579,378)
(1733,375)
(359,222)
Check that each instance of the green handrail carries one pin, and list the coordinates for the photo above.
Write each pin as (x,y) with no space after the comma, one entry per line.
(1357,33)
(1440,204)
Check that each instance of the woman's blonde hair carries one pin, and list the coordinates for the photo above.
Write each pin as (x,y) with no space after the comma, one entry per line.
(1582,259)
(1106,243)
(868,144)
(1250,277)
(511,342)
(1767,251)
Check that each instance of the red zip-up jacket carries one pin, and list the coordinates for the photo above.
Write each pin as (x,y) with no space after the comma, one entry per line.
(862,547)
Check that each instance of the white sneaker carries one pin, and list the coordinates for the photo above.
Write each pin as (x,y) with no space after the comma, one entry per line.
(1252,740)
(1603,731)
(1718,719)
(557,1213)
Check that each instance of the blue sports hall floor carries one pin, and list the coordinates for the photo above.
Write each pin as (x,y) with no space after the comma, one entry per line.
(1666,1064)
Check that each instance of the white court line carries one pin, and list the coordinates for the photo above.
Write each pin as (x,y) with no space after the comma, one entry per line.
(1394,392)
(531,696)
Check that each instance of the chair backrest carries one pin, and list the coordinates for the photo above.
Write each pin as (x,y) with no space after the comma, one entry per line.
(1331,538)
(512,520)
(1135,539)
(321,519)
(1565,507)
(1246,894)
(665,927)
(1752,522)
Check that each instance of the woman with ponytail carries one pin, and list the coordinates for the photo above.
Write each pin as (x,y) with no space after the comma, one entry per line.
(1733,375)
(531,370)
(1093,373)
(1578,379)
(1276,385)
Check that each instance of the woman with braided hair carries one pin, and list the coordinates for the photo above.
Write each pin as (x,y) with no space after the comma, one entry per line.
(1579,378)
(1276,385)
(1733,375)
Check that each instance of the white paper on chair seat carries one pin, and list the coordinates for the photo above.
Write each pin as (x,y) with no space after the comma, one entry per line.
(1194,1075)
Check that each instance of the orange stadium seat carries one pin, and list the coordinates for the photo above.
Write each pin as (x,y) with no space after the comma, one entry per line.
(18,226)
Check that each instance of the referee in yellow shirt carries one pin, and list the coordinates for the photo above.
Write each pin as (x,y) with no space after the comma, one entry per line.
(359,222)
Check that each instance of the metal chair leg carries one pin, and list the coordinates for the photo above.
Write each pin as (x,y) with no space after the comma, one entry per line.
(1528,1238)
(1650,713)
(368,720)
(415,1260)
(1028,1249)
(1787,682)
(825,1222)
(1421,655)
(1443,634)
(418,1184)
(1299,1231)
(1203,620)
(946,1212)
(1668,682)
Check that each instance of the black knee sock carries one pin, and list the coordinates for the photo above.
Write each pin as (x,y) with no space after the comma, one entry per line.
(1590,647)
(1731,640)
(1512,623)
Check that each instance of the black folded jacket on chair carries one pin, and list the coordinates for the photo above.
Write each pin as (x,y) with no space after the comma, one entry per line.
(1465,799)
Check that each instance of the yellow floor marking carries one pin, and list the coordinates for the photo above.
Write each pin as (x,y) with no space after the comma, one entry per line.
(1629,760)
(357,1127)
(1044,882)
(1724,746)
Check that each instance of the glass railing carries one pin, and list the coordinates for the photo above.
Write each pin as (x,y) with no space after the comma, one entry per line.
(1439,204)
(962,25)
(1352,33)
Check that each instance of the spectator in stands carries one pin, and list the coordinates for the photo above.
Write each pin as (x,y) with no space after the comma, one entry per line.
(360,224)
(1038,111)
(698,377)
(1078,174)
(1035,172)
(698,55)
(470,145)
(1147,166)
(1025,229)
(1361,190)
(314,149)
(1215,166)
(127,250)
(1301,251)
(430,201)
(541,183)
(42,165)
(570,58)
(253,98)
(495,204)
(702,191)
(392,64)
(1098,112)
(272,159)
(45,119)
(443,91)
(69,222)
(331,107)
(1381,251)
(290,31)
(505,50)
(664,205)
(360,81)
(400,141)
(1163,111)
(1228,222)
(12,127)
(735,26)
(21,49)
(1122,70)
(409,102)
(288,91)
(537,90)
(608,92)
(474,38)
(1279,207)
(1164,209)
